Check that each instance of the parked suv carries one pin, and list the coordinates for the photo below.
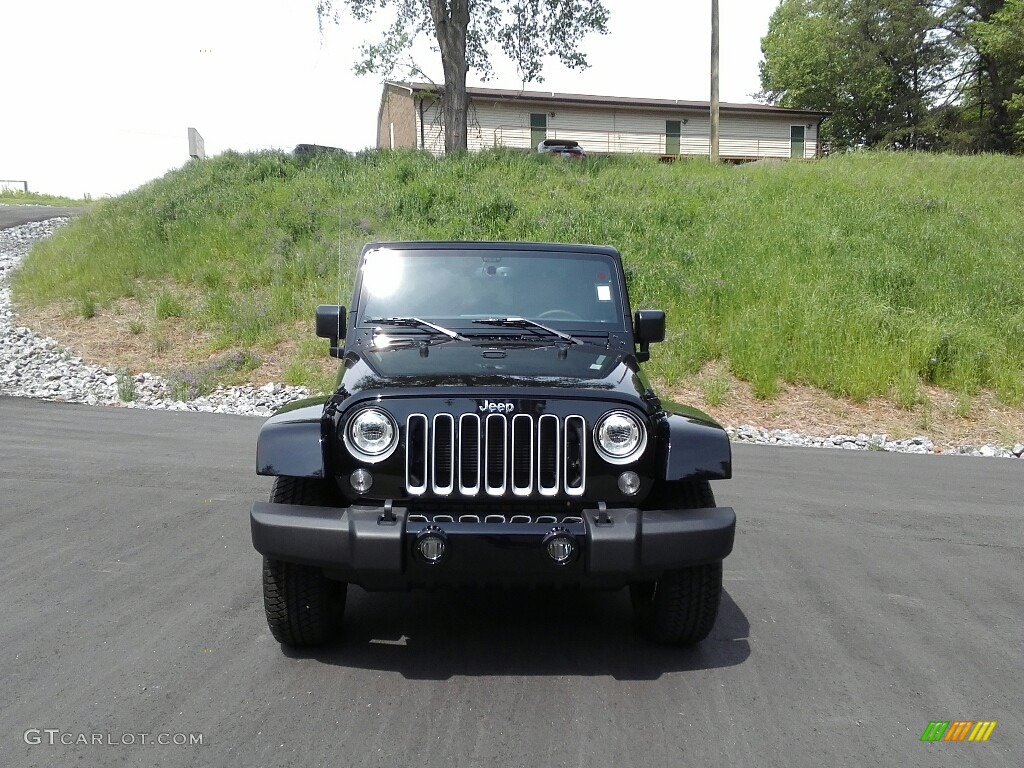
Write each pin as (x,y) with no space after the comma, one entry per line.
(491,425)
(562,147)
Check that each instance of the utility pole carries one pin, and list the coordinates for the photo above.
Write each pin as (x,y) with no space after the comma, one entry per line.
(714,81)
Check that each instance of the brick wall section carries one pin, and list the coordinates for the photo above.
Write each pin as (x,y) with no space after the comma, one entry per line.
(397,107)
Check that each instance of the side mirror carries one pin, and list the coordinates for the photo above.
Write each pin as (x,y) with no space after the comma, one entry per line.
(330,324)
(648,328)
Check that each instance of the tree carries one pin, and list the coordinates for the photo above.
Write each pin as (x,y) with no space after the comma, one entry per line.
(1001,60)
(528,31)
(876,65)
(977,113)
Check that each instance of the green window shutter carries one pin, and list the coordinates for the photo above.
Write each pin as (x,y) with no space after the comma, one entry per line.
(673,130)
(796,141)
(538,128)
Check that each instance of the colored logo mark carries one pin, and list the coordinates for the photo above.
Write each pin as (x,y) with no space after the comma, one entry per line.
(958,730)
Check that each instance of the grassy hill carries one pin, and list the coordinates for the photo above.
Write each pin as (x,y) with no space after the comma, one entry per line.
(864,275)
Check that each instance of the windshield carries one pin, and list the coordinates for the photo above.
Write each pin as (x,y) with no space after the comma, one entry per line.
(454,288)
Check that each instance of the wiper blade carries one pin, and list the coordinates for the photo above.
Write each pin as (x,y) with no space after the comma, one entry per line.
(522,322)
(415,322)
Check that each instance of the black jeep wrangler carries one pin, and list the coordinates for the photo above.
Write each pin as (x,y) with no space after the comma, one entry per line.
(491,425)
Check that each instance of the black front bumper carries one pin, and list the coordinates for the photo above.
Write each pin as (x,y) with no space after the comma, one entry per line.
(363,546)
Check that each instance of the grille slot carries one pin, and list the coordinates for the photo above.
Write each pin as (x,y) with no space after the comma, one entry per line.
(498,455)
(575,455)
(416,454)
(559,519)
(522,455)
(495,457)
(443,451)
(548,455)
(469,454)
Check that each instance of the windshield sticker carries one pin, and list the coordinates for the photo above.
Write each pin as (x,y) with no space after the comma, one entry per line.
(599,362)
(604,293)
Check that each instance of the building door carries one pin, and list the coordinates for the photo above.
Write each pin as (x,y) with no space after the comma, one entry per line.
(538,128)
(796,141)
(673,130)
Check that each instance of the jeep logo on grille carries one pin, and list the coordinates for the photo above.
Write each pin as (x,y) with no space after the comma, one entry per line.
(488,406)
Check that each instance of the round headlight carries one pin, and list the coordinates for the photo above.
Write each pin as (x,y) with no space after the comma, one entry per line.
(371,435)
(619,437)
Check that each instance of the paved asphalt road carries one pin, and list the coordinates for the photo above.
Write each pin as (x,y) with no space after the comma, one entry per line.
(869,593)
(10,215)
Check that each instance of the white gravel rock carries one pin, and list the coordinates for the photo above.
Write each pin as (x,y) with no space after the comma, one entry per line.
(35,366)
(874,442)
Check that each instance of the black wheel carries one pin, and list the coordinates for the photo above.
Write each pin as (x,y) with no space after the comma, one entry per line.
(303,607)
(680,608)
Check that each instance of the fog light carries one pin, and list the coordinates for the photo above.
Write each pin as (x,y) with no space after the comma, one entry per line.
(432,545)
(629,483)
(362,480)
(560,546)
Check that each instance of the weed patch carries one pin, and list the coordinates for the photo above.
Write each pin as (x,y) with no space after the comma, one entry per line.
(190,383)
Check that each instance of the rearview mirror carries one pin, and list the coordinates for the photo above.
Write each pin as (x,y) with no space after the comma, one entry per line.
(648,328)
(330,324)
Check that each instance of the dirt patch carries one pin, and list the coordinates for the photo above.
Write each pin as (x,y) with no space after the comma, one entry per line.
(127,336)
(811,411)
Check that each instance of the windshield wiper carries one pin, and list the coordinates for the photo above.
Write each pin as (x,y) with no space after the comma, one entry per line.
(415,322)
(522,322)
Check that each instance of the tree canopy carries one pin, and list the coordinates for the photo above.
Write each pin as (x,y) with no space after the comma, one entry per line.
(923,74)
(467,33)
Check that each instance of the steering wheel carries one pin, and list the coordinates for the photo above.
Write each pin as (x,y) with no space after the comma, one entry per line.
(559,314)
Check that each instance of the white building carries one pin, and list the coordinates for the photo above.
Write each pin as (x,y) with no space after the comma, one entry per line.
(410,116)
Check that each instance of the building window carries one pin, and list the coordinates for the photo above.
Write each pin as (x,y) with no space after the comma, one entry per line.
(538,128)
(796,141)
(673,130)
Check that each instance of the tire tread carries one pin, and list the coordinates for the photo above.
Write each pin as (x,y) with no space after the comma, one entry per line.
(301,604)
(681,607)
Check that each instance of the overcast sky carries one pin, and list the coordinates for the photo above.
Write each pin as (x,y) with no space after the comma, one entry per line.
(99,95)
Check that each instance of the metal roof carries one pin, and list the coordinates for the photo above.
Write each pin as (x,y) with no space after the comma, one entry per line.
(608,102)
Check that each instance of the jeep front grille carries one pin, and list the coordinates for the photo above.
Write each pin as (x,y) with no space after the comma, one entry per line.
(496,455)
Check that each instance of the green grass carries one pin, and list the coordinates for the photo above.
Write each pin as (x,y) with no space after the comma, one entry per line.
(715,388)
(125,385)
(12,197)
(86,306)
(166,305)
(864,274)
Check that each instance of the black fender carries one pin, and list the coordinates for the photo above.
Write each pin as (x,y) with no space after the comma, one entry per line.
(293,441)
(693,447)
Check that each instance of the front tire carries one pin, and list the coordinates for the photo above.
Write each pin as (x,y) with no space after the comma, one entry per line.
(680,608)
(303,607)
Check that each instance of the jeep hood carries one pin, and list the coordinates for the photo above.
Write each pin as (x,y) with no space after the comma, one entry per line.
(485,365)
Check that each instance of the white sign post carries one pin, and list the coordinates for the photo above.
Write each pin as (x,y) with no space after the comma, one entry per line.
(196,147)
